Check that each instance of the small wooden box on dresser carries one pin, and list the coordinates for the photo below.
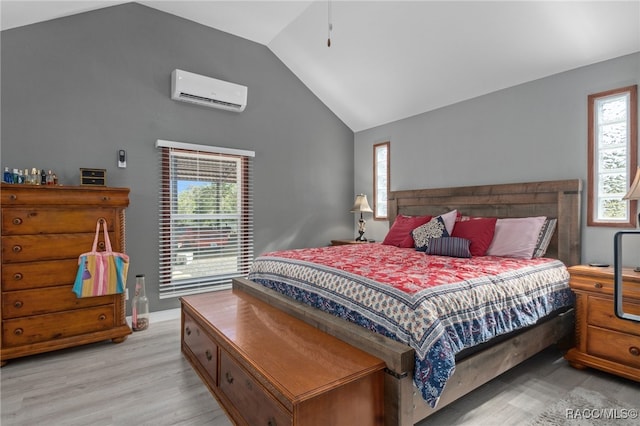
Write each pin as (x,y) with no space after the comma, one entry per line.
(603,340)
(44,230)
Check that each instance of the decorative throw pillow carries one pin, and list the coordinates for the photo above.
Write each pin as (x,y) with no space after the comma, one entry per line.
(516,237)
(435,228)
(449,220)
(449,246)
(400,233)
(479,231)
(544,237)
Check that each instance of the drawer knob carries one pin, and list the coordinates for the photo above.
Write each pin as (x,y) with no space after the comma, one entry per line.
(101,245)
(13,197)
(17,221)
(17,304)
(17,276)
(598,285)
(105,198)
(17,249)
(271,422)
(188,331)
(18,331)
(634,350)
(229,377)
(208,355)
(102,317)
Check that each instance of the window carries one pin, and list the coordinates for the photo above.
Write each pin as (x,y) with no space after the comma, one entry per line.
(380,180)
(206,217)
(612,157)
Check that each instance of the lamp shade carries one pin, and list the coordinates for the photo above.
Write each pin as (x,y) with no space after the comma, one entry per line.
(361,204)
(634,189)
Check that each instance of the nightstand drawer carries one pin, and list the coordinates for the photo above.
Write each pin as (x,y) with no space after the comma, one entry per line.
(591,284)
(618,347)
(600,312)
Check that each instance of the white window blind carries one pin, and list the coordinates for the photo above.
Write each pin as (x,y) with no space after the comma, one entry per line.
(206,217)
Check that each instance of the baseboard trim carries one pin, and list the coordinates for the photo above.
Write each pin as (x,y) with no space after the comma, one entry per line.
(159,316)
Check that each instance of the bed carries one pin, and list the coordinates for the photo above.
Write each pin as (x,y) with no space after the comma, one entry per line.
(407,401)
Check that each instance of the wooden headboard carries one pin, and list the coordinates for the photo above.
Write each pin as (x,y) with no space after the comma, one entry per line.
(559,199)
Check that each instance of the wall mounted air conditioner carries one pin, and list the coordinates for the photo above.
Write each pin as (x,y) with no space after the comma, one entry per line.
(207,91)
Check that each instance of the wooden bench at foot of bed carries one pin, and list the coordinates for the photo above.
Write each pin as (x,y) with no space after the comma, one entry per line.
(266,367)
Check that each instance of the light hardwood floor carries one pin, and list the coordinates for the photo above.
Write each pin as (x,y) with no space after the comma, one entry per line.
(146,381)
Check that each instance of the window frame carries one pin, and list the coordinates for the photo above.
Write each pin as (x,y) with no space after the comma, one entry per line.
(171,254)
(632,156)
(376,174)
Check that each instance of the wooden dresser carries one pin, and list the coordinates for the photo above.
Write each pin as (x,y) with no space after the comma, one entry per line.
(268,368)
(603,340)
(44,230)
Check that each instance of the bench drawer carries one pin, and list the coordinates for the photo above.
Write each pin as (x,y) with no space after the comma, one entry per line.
(258,406)
(201,345)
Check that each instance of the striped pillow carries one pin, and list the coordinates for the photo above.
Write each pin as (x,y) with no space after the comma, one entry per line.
(449,246)
(544,237)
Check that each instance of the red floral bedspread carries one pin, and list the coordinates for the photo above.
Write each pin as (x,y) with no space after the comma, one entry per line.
(404,269)
(438,305)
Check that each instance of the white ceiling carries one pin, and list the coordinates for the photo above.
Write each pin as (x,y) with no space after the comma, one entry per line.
(389,60)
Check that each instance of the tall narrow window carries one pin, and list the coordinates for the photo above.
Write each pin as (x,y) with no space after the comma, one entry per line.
(380,180)
(206,217)
(613,156)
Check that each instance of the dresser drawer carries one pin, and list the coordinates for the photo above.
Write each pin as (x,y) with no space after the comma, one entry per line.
(47,300)
(22,276)
(41,328)
(201,345)
(24,221)
(600,312)
(619,347)
(255,404)
(27,248)
(29,195)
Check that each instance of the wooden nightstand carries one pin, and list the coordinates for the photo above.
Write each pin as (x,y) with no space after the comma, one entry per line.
(603,340)
(345,242)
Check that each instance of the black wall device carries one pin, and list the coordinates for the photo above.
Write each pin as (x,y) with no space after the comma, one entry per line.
(122,158)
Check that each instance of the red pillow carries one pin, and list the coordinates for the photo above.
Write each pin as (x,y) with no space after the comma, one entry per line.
(479,231)
(400,233)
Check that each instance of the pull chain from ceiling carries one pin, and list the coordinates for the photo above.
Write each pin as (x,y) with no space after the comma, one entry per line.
(330,26)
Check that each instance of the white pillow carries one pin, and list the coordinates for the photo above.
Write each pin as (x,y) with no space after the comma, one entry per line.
(516,237)
(449,220)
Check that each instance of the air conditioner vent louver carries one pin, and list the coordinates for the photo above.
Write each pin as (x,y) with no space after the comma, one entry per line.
(209,100)
(207,91)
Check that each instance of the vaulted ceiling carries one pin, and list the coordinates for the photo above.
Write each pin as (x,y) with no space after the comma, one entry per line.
(389,60)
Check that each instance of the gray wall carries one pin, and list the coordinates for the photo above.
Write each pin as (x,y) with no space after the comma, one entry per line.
(534,131)
(77,89)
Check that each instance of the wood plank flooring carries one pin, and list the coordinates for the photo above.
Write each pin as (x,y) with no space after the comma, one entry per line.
(146,381)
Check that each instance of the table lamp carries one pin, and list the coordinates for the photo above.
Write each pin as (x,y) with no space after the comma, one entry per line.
(361,205)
